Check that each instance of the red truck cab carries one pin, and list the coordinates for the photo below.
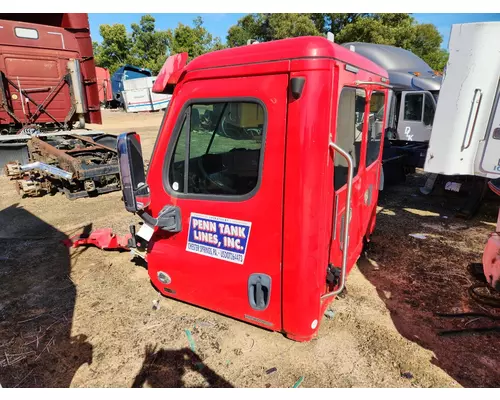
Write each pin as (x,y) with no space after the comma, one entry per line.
(264,179)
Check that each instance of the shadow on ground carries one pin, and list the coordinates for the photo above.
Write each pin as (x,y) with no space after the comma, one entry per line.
(418,277)
(167,368)
(37,300)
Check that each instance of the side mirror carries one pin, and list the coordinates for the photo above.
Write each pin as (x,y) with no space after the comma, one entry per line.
(133,178)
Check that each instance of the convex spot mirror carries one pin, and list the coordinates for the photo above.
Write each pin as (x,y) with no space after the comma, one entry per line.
(133,178)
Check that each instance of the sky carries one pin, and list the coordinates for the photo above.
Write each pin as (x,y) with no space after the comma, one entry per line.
(218,24)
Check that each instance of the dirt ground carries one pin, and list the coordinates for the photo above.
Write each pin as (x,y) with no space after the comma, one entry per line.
(85,317)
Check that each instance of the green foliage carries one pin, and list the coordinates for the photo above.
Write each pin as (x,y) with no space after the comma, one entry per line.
(395,29)
(148,47)
(193,40)
(427,45)
(334,22)
(281,26)
(248,27)
(391,29)
(266,27)
(115,47)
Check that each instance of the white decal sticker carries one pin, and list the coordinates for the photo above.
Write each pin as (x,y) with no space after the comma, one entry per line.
(146,232)
(407,133)
(217,237)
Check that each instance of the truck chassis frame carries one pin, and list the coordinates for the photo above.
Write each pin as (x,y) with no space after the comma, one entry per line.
(77,165)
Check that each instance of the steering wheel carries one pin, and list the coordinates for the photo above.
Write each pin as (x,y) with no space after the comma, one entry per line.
(219,184)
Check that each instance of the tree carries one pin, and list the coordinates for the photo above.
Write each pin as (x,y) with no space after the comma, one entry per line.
(391,29)
(427,45)
(149,45)
(281,26)
(114,50)
(400,30)
(395,29)
(248,27)
(334,22)
(266,27)
(193,40)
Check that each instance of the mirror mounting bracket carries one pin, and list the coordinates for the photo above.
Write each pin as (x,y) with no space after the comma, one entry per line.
(169,219)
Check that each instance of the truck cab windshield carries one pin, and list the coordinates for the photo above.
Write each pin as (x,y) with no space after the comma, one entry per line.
(218,149)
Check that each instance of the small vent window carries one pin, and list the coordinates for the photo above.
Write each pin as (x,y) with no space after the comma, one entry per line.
(26,33)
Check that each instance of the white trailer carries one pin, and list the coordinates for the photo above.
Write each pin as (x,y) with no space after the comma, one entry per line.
(138,95)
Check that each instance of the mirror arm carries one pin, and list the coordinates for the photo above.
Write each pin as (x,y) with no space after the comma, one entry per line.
(147,218)
(169,219)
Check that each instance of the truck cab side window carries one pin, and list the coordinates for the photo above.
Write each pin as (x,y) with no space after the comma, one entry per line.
(429,110)
(177,164)
(413,106)
(222,144)
(349,135)
(377,102)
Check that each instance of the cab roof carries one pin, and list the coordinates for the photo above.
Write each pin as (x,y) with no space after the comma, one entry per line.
(285,49)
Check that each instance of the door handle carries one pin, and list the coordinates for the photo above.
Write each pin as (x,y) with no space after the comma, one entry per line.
(259,295)
(259,291)
(345,233)
(471,123)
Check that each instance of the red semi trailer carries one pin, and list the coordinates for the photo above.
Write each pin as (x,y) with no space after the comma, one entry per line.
(48,92)
(264,180)
(104,85)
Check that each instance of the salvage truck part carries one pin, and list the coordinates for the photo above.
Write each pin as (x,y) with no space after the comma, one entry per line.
(48,92)
(102,238)
(257,202)
(48,84)
(78,166)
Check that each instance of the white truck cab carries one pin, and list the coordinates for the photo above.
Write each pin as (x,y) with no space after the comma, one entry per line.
(465,137)
(415,88)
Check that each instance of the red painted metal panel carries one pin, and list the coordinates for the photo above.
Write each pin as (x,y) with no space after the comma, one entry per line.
(104,84)
(295,48)
(307,205)
(217,284)
(38,62)
(172,64)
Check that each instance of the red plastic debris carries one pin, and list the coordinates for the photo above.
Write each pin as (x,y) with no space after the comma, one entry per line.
(102,238)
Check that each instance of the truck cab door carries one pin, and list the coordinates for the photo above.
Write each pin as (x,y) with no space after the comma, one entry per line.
(416,116)
(220,160)
(377,122)
(350,125)
(359,131)
(490,159)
